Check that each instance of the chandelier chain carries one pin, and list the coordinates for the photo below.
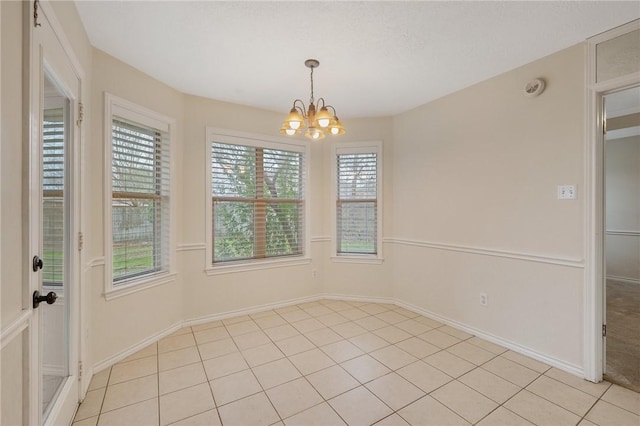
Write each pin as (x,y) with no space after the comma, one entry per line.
(312,99)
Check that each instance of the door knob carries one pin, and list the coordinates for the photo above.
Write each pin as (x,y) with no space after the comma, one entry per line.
(50,298)
(37,263)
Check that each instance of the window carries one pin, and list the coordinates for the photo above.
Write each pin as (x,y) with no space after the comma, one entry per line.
(53,200)
(139,194)
(257,200)
(357,190)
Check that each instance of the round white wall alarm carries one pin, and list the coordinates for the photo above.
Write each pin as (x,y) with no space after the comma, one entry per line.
(534,87)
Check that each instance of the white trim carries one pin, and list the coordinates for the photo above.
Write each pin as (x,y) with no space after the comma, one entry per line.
(140,284)
(256,265)
(593,224)
(627,280)
(353,298)
(549,360)
(594,289)
(114,359)
(572,263)
(259,141)
(363,259)
(15,328)
(191,246)
(364,147)
(114,105)
(624,233)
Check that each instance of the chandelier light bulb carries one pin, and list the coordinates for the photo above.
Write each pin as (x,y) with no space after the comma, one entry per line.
(323,118)
(290,131)
(294,125)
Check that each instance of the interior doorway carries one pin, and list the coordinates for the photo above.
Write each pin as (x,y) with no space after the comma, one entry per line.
(622,237)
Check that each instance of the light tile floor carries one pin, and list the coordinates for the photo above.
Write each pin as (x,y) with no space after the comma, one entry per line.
(333,363)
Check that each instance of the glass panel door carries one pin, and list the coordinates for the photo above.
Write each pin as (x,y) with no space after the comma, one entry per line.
(54,328)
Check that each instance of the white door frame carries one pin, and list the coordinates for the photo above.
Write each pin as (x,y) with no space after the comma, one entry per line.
(594,297)
(49,32)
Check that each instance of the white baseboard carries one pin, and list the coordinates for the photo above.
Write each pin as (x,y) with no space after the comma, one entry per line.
(516,347)
(351,298)
(113,359)
(624,279)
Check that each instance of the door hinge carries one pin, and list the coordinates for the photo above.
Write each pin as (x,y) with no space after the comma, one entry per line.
(35,13)
(604,330)
(80,114)
(80,241)
(80,369)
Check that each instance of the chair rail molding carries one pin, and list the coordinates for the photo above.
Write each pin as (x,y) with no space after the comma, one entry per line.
(528,257)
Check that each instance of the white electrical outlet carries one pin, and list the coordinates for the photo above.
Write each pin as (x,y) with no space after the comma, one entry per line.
(484,300)
(566,192)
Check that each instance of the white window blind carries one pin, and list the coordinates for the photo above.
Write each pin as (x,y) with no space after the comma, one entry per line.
(53,162)
(140,171)
(257,202)
(357,203)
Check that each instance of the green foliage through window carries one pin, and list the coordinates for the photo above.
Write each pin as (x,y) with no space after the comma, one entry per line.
(257,202)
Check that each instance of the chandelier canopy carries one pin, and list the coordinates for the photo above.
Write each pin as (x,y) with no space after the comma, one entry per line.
(317,121)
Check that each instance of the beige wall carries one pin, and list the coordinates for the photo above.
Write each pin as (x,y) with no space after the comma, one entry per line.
(11,157)
(474,183)
(11,290)
(122,322)
(622,193)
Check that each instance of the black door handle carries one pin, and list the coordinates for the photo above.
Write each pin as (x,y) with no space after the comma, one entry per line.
(37,263)
(50,298)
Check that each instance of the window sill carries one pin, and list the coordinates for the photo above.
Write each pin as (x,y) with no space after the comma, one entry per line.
(256,265)
(364,259)
(139,284)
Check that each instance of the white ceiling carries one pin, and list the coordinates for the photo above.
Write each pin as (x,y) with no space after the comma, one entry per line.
(377,58)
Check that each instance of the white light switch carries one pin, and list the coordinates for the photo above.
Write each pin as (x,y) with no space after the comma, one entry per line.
(567,192)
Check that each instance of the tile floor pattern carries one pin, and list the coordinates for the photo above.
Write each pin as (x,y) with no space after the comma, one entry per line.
(335,362)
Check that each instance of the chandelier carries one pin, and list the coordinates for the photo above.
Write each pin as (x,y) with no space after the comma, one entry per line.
(317,122)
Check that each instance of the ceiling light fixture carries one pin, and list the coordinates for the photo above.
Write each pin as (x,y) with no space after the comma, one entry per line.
(317,123)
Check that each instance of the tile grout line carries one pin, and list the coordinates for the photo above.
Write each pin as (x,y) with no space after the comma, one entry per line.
(254,374)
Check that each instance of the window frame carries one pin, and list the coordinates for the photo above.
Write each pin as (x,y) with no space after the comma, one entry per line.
(118,107)
(214,134)
(368,147)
